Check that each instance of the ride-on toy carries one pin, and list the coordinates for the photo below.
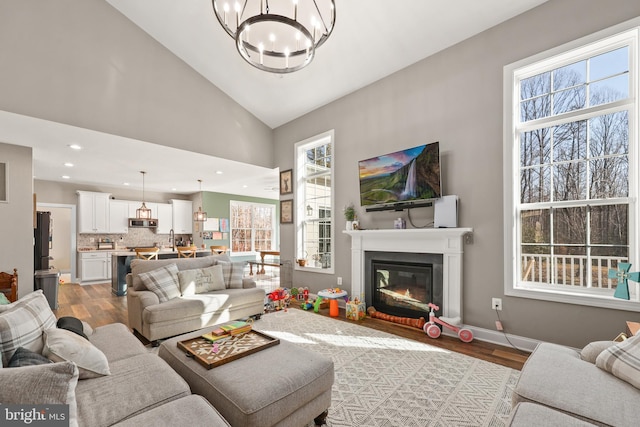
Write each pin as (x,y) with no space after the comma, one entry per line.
(431,327)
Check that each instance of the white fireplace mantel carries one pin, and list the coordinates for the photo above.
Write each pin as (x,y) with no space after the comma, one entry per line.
(446,241)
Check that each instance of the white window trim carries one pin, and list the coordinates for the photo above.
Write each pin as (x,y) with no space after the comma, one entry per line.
(300,209)
(274,229)
(511,164)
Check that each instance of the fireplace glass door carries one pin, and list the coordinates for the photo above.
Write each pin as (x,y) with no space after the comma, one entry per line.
(402,288)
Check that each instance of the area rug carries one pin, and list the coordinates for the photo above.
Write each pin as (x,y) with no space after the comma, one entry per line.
(385,380)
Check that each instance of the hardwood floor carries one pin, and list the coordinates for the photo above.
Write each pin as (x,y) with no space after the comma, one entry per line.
(96,305)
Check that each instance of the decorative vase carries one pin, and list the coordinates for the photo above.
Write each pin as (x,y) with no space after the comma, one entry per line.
(349,225)
(355,225)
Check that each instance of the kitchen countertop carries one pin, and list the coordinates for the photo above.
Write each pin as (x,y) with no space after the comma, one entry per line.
(126,251)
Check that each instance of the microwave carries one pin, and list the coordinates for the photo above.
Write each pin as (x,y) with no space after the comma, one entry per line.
(142,223)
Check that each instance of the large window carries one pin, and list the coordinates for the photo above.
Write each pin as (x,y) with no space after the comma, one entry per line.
(252,227)
(571,168)
(314,204)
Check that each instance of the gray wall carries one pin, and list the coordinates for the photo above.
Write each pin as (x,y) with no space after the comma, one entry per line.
(455,97)
(82,63)
(16,216)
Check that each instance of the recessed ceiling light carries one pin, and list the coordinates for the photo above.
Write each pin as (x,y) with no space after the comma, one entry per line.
(75,147)
(245,186)
(219,172)
(66,177)
(174,189)
(125,183)
(69,165)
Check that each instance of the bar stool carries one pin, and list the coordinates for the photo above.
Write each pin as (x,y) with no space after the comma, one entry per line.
(147,253)
(218,249)
(187,251)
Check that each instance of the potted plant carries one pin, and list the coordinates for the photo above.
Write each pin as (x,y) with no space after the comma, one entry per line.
(349,215)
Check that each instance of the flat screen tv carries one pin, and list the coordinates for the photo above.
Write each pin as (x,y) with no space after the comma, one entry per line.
(400,180)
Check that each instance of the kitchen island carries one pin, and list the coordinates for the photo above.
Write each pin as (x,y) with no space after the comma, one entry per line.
(121,265)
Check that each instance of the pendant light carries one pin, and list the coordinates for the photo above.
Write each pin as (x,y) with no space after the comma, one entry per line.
(143,212)
(199,215)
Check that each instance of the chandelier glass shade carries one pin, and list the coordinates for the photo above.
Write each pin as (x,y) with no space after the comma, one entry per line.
(143,212)
(278,36)
(200,215)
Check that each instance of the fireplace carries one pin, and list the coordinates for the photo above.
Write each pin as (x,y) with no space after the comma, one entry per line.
(437,249)
(403,284)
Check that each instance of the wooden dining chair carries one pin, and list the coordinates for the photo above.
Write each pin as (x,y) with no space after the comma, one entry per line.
(147,253)
(187,251)
(218,249)
(9,284)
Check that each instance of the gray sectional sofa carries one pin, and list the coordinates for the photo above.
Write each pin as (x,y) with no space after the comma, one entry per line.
(188,312)
(564,387)
(139,388)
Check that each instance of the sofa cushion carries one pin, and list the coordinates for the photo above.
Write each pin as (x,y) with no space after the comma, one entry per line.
(592,350)
(200,280)
(623,360)
(61,345)
(126,344)
(54,383)
(139,266)
(186,411)
(136,384)
(529,414)
(556,377)
(232,272)
(24,357)
(23,324)
(163,282)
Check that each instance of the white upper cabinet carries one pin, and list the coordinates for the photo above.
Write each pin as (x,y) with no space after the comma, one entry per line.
(165,218)
(93,212)
(118,216)
(182,216)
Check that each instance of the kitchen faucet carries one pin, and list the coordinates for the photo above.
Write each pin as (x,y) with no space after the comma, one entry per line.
(172,240)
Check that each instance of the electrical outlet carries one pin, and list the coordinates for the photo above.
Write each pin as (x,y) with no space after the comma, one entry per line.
(496,303)
(339,280)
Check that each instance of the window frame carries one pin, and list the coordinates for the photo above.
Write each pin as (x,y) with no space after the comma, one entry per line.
(301,201)
(626,34)
(274,229)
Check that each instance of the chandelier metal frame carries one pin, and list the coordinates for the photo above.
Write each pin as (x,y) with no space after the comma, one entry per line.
(266,54)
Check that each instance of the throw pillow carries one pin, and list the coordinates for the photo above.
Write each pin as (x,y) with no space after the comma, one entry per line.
(3,299)
(623,360)
(163,282)
(71,324)
(201,280)
(24,357)
(61,345)
(232,272)
(592,350)
(54,383)
(23,324)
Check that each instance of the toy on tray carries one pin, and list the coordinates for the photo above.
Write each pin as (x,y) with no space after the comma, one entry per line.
(431,327)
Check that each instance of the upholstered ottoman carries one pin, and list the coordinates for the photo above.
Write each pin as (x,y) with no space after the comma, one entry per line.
(282,385)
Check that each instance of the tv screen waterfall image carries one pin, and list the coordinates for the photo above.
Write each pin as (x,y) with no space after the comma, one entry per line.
(404,176)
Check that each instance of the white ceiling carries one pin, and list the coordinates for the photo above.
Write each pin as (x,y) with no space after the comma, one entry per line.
(372,39)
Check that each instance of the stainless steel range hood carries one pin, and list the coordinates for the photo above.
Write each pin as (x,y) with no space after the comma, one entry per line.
(142,223)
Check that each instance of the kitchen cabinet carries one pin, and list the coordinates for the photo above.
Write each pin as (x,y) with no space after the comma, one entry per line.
(95,266)
(182,216)
(165,218)
(118,216)
(93,212)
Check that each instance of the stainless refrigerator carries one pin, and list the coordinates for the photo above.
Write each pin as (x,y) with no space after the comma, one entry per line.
(42,236)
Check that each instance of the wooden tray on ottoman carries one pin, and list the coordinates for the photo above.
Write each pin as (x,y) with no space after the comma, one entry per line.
(229,349)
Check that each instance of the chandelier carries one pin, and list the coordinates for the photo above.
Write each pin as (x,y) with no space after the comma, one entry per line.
(278,36)
(143,212)
(200,215)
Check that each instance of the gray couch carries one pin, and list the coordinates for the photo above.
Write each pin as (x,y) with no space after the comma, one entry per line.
(140,388)
(558,387)
(154,320)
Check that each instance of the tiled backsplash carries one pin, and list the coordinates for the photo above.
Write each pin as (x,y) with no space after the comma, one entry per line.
(135,237)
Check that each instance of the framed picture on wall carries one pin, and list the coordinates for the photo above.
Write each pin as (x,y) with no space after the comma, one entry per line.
(286,182)
(286,212)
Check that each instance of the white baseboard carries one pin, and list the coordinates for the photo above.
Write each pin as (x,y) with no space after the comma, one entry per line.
(498,337)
